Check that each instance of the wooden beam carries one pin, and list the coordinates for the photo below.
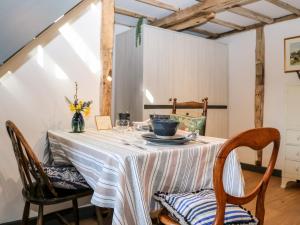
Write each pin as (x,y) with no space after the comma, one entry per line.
(251,14)
(259,83)
(160,4)
(285,6)
(227,24)
(126,12)
(203,32)
(198,20)
(107,42)
(257,25)
(205,6)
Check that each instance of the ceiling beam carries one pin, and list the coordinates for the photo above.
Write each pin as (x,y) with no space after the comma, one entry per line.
(227,24)
(126,12)
(251,14)
(257,25)
(196,21)
(285,6)
(204,6)
(203,32)
(160,4)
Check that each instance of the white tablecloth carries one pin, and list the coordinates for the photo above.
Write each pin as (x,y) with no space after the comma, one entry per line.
(125,172)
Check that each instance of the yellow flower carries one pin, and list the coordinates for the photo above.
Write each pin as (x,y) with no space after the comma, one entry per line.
(79,106)
(72,108)
(87,111)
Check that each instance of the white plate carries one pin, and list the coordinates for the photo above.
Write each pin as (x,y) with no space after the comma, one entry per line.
(175,137)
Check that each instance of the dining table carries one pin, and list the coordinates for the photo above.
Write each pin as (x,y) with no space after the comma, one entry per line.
(125,171)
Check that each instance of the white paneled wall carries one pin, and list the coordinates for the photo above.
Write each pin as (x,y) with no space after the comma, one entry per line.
(158,65)
(127,85)
(171,65)
(184,66)
(242,87)
(32,95)
(188,68)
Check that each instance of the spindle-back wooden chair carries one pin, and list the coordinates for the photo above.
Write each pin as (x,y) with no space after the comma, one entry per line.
(190,105)
(37,188)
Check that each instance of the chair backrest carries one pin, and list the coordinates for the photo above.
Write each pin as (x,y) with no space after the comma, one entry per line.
(32,174)
(190,105)
(256,139)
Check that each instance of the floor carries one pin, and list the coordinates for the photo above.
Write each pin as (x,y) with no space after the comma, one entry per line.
(282,205)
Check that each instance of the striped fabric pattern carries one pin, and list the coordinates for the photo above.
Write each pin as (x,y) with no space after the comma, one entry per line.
(200,209)
(125,172)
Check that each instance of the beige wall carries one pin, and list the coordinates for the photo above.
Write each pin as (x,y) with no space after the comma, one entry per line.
(32,94)
(242,82)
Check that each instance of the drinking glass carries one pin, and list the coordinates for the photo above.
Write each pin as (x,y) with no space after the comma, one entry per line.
(122,124)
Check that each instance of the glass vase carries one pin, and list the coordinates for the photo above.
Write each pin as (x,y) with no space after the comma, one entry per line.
(77,123)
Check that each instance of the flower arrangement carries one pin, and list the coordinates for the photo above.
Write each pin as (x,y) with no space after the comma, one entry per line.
(78,107)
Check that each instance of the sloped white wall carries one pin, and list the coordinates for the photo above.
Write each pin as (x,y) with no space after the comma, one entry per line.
(33,96)
(242,82)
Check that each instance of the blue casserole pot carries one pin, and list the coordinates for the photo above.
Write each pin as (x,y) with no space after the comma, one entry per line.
(164,127)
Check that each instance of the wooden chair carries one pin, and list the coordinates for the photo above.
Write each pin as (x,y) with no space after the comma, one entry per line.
(190,105)
(37,188)
(257,139)
(193,105)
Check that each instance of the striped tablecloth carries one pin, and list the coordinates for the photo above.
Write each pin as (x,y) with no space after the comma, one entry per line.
(125,172)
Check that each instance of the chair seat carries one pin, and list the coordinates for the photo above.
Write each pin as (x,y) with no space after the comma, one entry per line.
(65,177)
(47,197)
(200,209)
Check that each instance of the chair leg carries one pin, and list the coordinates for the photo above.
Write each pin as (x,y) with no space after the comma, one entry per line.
(26,213)
(100,220)
(40,219)
(75,210)
(61,219)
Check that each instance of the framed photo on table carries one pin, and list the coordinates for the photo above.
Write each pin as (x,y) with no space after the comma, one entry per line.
(103,122)
(292,54)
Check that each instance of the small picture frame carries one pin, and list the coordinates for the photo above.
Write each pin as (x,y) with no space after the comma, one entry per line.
(292,54)
(103,122)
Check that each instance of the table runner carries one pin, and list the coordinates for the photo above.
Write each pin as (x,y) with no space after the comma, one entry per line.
(125,172)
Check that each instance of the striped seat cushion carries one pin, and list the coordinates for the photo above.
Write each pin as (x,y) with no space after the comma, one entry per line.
(200,209)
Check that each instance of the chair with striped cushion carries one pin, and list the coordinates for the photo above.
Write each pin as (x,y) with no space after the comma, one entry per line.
(208,207)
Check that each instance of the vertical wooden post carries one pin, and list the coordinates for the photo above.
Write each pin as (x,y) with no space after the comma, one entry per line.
(259,83)
(107,42)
